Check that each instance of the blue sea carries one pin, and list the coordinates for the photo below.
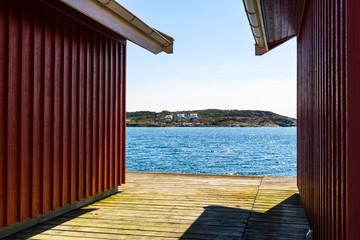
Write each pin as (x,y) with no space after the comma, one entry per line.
(229,151)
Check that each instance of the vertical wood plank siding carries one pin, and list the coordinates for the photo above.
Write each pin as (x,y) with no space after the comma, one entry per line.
(353,98)
(328,117)
(62,110)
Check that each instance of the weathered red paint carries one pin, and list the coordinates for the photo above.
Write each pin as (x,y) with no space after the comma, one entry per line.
(353,100)
(26,128)
(328,117)
(62,108)
(3,117)
(282,19)
(122,138)
(13,113)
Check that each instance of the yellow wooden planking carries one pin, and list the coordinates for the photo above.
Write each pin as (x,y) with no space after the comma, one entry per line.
(184,206)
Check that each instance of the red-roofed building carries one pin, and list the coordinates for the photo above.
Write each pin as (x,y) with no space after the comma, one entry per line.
(168,117)
(193,116)
(181,116)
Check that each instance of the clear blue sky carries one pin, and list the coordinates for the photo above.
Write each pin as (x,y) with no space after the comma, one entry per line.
(213,64)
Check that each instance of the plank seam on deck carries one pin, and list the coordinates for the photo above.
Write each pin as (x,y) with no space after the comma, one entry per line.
(252,209)
(161,206)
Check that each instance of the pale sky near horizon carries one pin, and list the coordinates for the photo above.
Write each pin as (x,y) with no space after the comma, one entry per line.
(213,64)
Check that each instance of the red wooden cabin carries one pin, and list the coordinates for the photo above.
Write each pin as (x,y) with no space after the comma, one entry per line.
(328,100)
(62,104)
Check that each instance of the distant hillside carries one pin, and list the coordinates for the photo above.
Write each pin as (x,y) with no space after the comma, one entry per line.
(210,117)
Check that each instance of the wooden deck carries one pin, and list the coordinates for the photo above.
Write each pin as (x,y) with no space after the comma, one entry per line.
(185,206)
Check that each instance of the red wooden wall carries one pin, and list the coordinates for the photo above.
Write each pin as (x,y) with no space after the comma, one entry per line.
(62,109)
(353,117)
(328,117)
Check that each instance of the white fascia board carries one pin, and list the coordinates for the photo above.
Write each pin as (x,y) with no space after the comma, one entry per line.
(115,17)
(254,14)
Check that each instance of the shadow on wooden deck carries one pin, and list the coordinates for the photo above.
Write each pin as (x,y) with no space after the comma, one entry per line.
(233,223)
(185,206)
(37,230)
(224,221)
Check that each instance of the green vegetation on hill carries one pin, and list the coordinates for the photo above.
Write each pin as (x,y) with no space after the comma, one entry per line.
(210,117)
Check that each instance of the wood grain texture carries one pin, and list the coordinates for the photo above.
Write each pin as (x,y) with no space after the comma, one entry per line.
(324,115)
(51,86)
(184,206)
(282,19)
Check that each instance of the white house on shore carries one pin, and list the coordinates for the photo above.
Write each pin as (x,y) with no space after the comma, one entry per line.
(193,116)
(181,116)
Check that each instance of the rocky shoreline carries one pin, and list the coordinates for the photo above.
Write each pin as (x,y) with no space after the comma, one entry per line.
(208,118)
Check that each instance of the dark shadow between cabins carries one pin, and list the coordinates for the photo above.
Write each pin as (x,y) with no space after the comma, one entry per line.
(282,220)
(285,220)
(49,224)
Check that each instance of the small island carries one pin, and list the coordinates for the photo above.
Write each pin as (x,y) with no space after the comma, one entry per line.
(208,118)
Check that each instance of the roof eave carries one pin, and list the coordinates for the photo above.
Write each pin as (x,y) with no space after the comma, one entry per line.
(255,17)
(117,18)
(277,21)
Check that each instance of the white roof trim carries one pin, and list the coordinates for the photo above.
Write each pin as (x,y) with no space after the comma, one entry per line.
(117,18)
(254,13)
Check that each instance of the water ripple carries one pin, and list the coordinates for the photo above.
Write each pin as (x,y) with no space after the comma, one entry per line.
(230,151)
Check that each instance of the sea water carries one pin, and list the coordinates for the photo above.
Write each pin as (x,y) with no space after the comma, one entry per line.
(230,151)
